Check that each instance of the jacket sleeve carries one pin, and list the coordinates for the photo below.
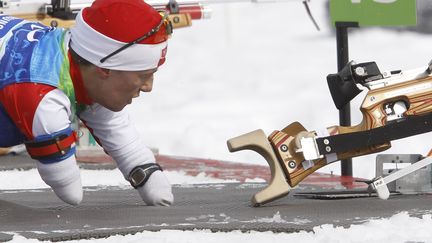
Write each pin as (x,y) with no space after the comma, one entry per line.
(118,136)
(40,112)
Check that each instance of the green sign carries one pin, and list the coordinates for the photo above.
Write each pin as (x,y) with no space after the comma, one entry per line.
(374,12)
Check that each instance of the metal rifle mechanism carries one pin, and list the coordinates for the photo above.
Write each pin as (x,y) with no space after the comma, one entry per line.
(397,105)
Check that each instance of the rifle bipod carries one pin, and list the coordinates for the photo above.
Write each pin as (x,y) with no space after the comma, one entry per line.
(380,183)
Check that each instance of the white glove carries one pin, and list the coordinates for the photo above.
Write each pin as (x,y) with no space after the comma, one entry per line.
(157,190)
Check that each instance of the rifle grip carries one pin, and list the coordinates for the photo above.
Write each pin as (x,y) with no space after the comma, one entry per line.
(295,167)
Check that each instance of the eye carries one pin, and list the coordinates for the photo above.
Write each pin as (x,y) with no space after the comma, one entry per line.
(146,78)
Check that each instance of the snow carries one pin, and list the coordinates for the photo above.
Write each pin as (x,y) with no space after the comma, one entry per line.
(257,66)
(400,228)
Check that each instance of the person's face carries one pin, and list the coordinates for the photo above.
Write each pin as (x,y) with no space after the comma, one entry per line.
(116,89)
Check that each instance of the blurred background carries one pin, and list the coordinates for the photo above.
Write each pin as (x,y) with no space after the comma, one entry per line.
(262,66)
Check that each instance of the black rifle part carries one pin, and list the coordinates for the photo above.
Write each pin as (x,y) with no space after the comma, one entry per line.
(61,9)
(397,129)
(173,7)
(343,85)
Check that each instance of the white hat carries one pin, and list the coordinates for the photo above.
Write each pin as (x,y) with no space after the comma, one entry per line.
(108,25)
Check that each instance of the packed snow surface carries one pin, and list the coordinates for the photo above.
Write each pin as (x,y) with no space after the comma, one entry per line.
(400,228)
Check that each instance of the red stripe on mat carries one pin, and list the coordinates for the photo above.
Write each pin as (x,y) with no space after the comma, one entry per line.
(229,170)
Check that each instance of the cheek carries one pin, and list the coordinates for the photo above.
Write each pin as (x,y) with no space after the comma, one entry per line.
(126,87)
(130,88)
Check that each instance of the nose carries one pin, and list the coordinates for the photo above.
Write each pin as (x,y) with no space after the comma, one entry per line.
(147,86)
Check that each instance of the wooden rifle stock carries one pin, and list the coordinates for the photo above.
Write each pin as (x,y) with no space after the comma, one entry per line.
(416,94)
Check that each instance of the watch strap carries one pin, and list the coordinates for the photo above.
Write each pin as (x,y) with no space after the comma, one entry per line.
(140,174)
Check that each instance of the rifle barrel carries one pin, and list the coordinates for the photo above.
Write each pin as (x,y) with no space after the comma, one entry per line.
(34,7)
(194,8)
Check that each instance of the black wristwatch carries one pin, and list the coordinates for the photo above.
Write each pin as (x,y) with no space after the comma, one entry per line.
(140,174)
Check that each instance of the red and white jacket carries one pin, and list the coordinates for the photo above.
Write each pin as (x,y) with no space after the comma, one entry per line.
(41,95)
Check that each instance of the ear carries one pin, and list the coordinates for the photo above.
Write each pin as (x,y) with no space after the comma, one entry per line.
(103,73)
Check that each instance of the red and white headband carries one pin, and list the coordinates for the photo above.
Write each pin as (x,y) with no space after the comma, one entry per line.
(93,46)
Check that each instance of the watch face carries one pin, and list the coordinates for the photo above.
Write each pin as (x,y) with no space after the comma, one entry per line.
(138,176)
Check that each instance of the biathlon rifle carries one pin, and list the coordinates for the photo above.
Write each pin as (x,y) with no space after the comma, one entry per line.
(63,12)
(398,104)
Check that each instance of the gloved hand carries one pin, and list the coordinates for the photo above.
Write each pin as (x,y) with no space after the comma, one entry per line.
(157,190)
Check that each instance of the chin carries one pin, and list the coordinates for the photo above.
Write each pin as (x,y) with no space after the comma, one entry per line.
(115,108)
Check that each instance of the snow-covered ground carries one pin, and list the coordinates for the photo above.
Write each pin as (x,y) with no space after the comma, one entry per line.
(400,228)
(258,66)
(396,229)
